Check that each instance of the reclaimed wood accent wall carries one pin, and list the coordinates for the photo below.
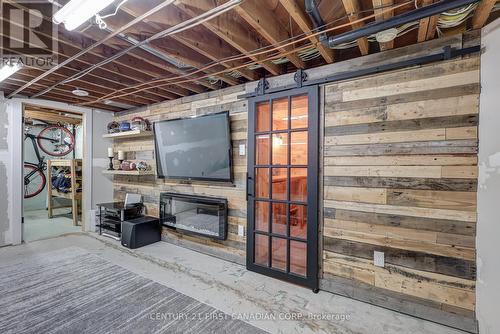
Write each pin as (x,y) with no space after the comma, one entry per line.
(150,187)
(400,176)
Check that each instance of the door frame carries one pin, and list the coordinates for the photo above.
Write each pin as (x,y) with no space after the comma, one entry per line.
(312,267)
(15,108)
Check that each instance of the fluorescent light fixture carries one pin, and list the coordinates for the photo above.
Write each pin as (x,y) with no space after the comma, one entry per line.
(7,70)
(76,12)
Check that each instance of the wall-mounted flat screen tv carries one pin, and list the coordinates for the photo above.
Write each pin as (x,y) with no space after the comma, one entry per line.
(197,148)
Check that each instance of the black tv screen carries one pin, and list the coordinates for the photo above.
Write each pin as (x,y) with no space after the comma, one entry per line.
(194,148)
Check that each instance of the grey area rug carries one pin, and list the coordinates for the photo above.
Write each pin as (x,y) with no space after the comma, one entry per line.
(72,291)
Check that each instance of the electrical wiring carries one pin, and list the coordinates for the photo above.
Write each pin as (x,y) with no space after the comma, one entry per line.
(100,19)
(136,20)
(173,30)
(454,18)
(262,51)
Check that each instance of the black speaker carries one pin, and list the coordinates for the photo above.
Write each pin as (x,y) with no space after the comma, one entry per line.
(140,232)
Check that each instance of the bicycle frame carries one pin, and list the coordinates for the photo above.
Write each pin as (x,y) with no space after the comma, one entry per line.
(41,159)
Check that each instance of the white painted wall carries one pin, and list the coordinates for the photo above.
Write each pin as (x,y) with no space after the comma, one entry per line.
(11,158)
(488,225)
(102,185)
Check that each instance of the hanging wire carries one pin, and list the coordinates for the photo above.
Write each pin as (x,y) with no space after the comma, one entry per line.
(100,19)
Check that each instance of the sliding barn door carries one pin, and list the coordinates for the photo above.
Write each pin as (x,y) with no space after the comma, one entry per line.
(282,186)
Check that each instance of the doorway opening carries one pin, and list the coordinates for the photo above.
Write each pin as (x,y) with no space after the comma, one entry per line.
(53,150)
(282,186)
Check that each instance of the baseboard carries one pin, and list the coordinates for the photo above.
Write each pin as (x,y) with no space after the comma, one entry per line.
(399,302)
(209,250)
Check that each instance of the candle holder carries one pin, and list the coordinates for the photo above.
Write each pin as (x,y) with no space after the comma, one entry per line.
(110,163)
(120,166)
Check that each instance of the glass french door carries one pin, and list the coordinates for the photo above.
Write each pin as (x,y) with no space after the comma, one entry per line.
(282,186)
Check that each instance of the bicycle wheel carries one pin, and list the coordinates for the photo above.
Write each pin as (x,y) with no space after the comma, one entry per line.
(34,180)
(56,141)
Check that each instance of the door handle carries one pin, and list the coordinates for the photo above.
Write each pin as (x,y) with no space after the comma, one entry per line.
(248,178)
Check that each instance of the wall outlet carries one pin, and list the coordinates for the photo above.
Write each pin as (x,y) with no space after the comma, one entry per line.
(242,149)
(241,230)
(378,259)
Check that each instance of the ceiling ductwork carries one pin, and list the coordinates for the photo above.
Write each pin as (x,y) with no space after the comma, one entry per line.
(378,26)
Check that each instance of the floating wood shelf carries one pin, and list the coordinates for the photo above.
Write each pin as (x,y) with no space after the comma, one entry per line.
(129,172)
(129,134)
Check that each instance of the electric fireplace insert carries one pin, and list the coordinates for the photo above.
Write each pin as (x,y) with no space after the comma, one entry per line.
(201,215)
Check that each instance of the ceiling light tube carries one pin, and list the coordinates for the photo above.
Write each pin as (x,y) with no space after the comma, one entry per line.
(76,12)
(7,70)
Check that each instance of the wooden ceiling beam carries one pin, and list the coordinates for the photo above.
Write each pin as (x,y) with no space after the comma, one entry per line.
(140,54)
(427,26)
(196,38)
(78,42)
(125,79)
(110,71)
(100,80)
(166,45)
(116,69)
(27,74)
(227,27)
(383,16)
(60,97)
(482,13)
(352,8)
(294,8)
(266,24)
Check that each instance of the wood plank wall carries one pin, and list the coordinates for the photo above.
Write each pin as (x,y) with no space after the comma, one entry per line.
(222,100)
(400,176)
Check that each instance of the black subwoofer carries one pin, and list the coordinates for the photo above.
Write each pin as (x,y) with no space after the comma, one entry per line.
(140,232)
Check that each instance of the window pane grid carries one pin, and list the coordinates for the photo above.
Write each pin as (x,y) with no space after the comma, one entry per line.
(287,135)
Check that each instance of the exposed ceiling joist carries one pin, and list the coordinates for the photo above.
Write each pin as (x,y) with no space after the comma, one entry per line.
(298,14)
(264,22)
(198,38)
(196,60)
(227,27)
(383,16)
(482,13)
(427,26)
(352,8)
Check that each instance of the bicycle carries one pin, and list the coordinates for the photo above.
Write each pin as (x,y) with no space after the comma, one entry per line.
(54,140)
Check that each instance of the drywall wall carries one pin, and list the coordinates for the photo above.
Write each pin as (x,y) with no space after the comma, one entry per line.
(488,226)
(4,165)
(102,185)
(12,158)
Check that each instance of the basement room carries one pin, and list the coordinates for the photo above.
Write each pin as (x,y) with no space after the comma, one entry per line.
(249,166)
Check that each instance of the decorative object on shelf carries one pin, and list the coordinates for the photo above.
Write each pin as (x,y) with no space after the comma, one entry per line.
(121,157)
(124,126)
(128,166)
(113,127)
(111,154)
(143,166)
(141,124)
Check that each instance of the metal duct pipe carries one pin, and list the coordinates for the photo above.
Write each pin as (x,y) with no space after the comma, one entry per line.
(318,23)
(415,15)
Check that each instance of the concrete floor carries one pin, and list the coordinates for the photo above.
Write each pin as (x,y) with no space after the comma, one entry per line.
(37,225)
(232,289)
